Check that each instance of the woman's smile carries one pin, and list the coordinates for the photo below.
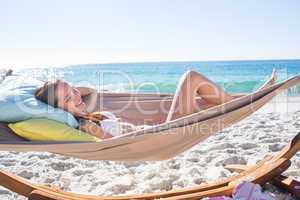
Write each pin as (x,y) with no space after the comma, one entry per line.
(80,104)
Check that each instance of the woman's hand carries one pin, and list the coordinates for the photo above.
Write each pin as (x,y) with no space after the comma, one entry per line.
(84,91)
(94,116)
(91,98)
(93,129)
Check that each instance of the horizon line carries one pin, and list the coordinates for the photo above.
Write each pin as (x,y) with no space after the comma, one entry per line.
(221,60)
(156,61)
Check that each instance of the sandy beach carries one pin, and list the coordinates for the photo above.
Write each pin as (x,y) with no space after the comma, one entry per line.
(56,55)
(263,133)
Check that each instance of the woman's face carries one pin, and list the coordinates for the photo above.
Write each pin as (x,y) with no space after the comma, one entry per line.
(69,99)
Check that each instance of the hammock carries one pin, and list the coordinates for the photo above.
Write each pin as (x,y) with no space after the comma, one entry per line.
(158,142)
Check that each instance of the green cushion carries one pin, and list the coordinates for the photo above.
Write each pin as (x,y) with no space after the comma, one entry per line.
(43,129)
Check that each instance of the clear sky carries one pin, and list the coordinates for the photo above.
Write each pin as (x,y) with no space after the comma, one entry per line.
(61,32)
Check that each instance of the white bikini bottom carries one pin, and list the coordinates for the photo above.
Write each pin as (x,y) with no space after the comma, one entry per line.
(112,125)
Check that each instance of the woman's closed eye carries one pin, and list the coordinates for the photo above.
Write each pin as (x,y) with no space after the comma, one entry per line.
(76,91)
(67,98)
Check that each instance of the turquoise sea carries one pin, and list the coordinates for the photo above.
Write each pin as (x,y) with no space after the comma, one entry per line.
(233,76)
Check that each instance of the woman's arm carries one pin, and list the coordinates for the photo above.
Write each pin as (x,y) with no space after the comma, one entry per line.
(84,91)
(93,129)
(90,97)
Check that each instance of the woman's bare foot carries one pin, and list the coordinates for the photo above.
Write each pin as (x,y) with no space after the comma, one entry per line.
(273,76)
(270,81)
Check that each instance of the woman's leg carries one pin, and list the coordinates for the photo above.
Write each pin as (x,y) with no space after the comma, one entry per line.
(191,85)
(270,81)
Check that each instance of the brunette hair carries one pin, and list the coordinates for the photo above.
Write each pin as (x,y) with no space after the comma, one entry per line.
(48,93)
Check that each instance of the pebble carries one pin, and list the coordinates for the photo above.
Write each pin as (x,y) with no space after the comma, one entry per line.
(275,147)
(247,146)
(62,166)
(26,174)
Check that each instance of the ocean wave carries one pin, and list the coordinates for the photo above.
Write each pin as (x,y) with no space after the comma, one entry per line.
(232,76)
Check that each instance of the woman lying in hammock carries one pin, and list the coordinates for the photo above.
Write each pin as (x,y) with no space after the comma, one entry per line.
(105,125)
